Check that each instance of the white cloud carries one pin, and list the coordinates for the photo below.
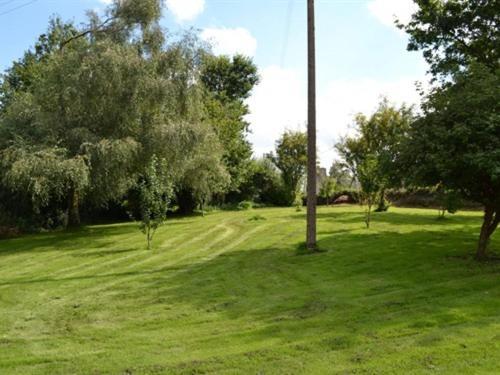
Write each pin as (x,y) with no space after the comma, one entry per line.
(277,103)
(387,11)
(185,10)
(342,99)
(226,41)
(280,102)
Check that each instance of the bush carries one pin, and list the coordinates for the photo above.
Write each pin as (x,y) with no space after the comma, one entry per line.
(425,197)
(9,232)
(383,205)
(257,218)
(245,205)
(263,185)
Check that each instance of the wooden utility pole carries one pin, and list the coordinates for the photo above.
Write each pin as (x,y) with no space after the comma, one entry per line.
(311,129)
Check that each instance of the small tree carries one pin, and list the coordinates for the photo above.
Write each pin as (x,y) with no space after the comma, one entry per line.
(368,177)
(298,202)
(155,191)
(449,200)
(327,189)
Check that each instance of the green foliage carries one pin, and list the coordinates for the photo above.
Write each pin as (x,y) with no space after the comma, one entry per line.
(383,203)
(155,191)
(229,79)
(263,183)
(455,34)
(229,82)
(372,155)
(298,201)
(133,12)
(328,188)
(449,200)
(227,119)
(44,175)
(257,218)
(341,175)
(194,155)
(245,205)
(113,94)
(20,76)
(456,142)
(290,158)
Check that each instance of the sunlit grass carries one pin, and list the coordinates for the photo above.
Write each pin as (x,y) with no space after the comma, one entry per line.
(228,293)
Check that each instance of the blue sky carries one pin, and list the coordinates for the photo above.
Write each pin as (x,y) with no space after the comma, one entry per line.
(360,54)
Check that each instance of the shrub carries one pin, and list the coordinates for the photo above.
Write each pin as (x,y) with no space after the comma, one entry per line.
(245,205)
(257,218)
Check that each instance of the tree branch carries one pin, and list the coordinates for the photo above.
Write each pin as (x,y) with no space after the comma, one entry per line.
(96,29)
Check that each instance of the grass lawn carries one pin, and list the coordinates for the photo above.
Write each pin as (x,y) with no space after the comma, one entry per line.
(230,294)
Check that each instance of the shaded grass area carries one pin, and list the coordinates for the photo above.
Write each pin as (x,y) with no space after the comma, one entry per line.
(230,294)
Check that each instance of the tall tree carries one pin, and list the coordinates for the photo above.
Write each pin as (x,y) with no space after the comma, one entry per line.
(108,94)
(229,82)
(456,140)
(22,73)
(455,34)
(380,136)
(456,143)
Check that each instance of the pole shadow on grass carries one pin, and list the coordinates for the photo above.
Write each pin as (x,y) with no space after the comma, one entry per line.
(395,277)
(374,285)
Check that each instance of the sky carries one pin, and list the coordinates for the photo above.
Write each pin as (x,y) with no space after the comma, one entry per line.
(361,55)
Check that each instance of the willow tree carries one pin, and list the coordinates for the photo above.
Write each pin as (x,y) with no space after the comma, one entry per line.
(112,93)
(88,93)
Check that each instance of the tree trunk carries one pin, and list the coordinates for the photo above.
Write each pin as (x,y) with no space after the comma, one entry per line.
(368,215)
(74,208)
(149,236)
(490,223)
(186,202)
(441,212)
(382,207)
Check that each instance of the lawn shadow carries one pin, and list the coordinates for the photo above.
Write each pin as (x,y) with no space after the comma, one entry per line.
(425,217)
(76,239)
(369,282)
